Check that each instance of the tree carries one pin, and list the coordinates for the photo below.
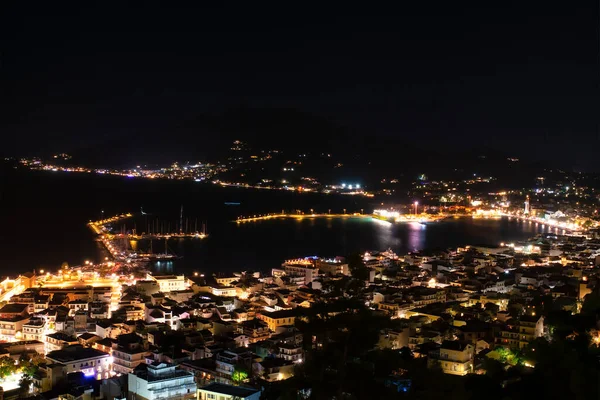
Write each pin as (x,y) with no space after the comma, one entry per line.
(25,385)
(30,366)
(494,369)
(357,267)
(240,374)
(591,303)
(7,367)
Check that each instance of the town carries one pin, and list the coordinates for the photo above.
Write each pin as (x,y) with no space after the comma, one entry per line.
(376,322)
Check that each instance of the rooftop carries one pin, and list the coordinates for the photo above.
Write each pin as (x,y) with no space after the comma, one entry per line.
(229,390)
(74,353)
(13,308)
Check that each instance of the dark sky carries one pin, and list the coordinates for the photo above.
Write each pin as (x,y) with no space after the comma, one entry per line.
(518,76)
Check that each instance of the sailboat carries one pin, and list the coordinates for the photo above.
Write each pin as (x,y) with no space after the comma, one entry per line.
(150,256)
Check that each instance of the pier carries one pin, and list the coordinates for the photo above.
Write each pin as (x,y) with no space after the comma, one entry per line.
(422,218)
(157,236)
(298,216)
(116,243)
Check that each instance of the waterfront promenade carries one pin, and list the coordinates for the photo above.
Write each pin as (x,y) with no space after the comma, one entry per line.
(310,215)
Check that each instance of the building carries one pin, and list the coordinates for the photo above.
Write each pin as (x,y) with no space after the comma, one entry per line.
(16,349)
(34,329)
(335,266)
(92,362)
(12,318)
(454,357)
(228,359)
(274,369)
(276,319)
(224,291)
(160,380)
(219,391)
(255,330)
(290,352)
(169,283)
(518,334)
(128,352)
(393,339)
(59,340)
(301,268)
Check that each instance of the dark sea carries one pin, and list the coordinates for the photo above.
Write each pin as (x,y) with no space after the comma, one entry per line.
(43,218)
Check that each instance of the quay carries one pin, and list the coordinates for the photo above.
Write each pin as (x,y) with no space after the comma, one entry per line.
(135,236)
(264,217)
(421,218)
(98,226)
(111,241)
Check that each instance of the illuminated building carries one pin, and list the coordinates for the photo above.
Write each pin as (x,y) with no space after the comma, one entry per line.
(128,352)
(455,358)
(227,360)
(526,210)
(301,267)
(92,362)
(160,381)
(169,283)
(277,318)
(34,329)
(12,318)
(520,333)
(227,392)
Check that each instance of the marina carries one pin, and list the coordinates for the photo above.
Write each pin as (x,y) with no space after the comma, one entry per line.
(117,244)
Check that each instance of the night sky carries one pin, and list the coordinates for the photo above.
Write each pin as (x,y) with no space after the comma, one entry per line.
(521,77)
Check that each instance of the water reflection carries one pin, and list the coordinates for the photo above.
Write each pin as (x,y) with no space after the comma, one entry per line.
(416,236)
(264,245)
(163,267)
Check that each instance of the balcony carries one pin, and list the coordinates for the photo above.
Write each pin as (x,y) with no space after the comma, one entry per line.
(175,390)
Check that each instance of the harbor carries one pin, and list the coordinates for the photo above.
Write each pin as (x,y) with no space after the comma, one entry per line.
(117,244)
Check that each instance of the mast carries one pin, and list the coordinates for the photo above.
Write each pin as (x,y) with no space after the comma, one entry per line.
(181,220)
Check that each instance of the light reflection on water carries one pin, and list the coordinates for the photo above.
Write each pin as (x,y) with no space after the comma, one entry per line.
(266,244)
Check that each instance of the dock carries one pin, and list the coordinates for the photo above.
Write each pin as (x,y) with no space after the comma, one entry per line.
(116,243)
(298,216)
(420,218)
(157,236)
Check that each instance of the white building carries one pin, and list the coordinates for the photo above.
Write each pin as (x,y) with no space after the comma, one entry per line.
(34,329)
(76,358)
(169,283)
(219,391)
(160,381)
